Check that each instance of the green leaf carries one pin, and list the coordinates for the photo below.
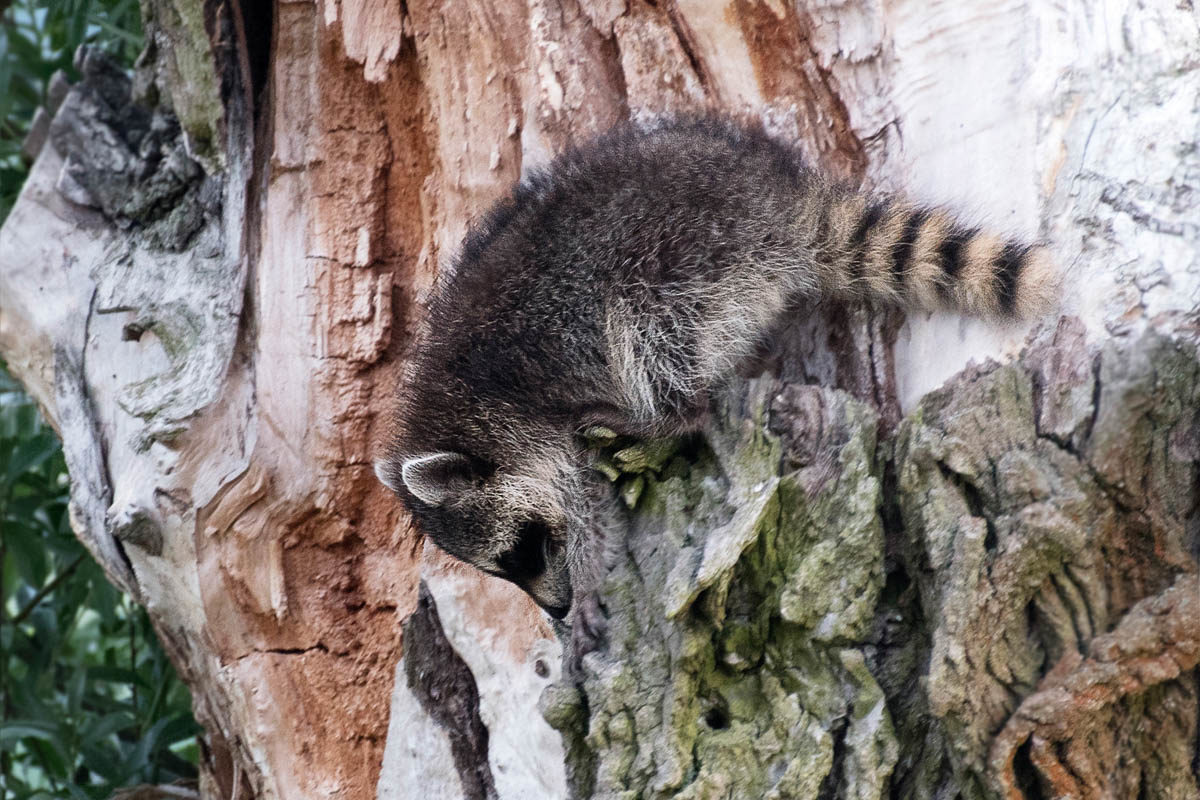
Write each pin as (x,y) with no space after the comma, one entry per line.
(132,39)
(104,599)
(56,761)
(16,730)
(105,761)
(179,727)
(101,727)
(27,551)
(26,699)
(6,72)
(29,455)
(116,675)
(138,760)
(24,50)
(79,21)
(75,688)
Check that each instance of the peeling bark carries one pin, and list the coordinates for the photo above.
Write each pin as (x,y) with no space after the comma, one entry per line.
(856,584)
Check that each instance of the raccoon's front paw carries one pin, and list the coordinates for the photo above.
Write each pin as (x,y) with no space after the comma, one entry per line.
(589,627)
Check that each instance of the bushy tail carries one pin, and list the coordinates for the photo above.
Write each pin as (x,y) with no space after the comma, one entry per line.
(923,257)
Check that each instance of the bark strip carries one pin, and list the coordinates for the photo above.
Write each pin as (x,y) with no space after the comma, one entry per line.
(445,688)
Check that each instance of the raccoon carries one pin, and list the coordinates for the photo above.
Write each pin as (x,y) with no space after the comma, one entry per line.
(619,286)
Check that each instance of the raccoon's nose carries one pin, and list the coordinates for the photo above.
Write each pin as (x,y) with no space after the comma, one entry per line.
(558,612)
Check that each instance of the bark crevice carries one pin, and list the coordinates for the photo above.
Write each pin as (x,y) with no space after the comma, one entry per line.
(445,687)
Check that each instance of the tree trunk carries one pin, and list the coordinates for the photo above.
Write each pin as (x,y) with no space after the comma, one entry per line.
(856,584)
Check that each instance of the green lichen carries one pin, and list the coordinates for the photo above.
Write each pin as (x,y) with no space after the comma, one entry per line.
(767,638)
(646,456)
(706,687)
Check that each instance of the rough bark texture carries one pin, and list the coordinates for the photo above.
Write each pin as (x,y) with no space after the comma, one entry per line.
(1000,598)
(849,587)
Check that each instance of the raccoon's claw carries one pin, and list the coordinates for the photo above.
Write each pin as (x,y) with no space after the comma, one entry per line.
(589,627)
(593,618)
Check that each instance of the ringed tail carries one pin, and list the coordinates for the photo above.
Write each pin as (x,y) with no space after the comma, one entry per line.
(925,257)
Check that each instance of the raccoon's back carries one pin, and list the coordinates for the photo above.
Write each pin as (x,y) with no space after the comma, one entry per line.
(633,207)
(663,213)
(678,244)
(691,202)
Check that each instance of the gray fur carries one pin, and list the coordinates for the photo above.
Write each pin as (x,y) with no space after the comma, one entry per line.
(619,287)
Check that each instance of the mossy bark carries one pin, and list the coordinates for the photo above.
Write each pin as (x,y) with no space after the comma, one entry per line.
(806,608)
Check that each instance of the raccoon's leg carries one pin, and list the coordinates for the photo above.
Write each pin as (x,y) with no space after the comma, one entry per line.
(589,627)
(596,542)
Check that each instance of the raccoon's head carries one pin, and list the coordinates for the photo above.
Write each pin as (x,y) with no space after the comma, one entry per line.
(507,521)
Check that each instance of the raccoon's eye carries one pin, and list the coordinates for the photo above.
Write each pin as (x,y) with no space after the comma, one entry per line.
(550,548)
(528,558)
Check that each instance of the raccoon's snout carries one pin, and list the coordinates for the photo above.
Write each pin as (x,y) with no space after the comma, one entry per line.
(538,564)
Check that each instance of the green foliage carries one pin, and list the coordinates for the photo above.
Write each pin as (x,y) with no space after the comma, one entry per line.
(88,700)
(38,37)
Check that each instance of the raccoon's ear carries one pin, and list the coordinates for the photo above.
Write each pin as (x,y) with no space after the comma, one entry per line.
(434,478)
